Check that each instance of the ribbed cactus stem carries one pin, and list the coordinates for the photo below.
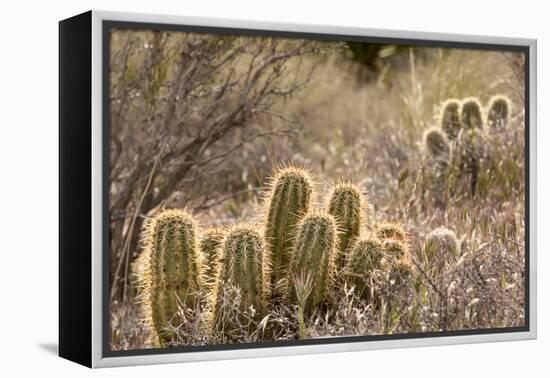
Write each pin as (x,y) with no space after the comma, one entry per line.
(365,257)
(244,264)
(173,272)
(470,152)
(471,114)
(499,111)
(314,254)
(436,143)
(289,198)
(450,118)
(209,244)
(440,245)
(345,205)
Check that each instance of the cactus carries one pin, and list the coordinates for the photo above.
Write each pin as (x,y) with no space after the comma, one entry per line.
(436,166)
(499,111)
(209,243)
(314,253)
(471,116)
(346,207)
(389,230)
(244,264)
(436,143)
(469,152)
(173,271)
(397,260)
(365,256)
(450,118)
(440,244)
(289,198)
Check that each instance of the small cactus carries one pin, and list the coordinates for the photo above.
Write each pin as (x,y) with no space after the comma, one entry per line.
(289,199)
(397,260)
(471,116)
(365,256)
(345,205)
(440,243)
(173,271)
(498,114)
(243,264)
(209,244)
(470,152)
(395,249)
(436,143)
(314,254)
(436,166)
(450,118)
(389,230)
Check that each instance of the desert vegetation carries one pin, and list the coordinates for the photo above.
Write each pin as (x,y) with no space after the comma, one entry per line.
(269,189)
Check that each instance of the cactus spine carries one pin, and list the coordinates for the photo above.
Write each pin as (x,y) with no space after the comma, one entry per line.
(471,114)
(244,264)
(499,111)
(450,118)
(346,207)
(289,198)
(364,258)
(314,254)
(173,270)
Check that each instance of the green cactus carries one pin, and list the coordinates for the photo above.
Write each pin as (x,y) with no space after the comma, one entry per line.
(345,205)
(209,243)
(470,151)
(173,271)
(397,260)
(390,230)
(244,264)
(436,166)
(436,143)
(471,115)
(450,118)
(288,200)
(441,244)
(314,254)
(499,111)
(365,257)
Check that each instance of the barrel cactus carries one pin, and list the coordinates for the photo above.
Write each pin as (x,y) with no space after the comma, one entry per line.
(450,118)
(209,244)
(390,230)
(289,198)
(498,114)
(436,166)
(365,257)
(471,114)
(172,273)
(314,254)
(345,205)
(244,264)
(470,151)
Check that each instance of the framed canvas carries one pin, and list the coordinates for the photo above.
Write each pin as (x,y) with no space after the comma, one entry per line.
(236,189)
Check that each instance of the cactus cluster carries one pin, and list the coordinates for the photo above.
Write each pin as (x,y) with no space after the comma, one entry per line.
(314,249)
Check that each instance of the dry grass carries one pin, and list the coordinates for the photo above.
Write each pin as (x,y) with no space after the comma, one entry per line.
(371,133)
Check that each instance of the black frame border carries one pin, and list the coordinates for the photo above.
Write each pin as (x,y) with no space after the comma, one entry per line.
(108,25)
